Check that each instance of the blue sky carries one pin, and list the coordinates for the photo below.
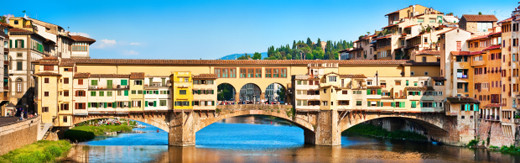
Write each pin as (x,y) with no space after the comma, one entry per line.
(210,29)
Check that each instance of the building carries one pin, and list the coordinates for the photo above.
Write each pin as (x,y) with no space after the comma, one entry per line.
(477,23)
(4,66)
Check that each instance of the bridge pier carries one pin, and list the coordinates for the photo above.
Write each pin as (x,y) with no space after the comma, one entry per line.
(182,129)
(327,130)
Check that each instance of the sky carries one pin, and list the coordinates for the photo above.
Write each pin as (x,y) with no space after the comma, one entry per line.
(210,29)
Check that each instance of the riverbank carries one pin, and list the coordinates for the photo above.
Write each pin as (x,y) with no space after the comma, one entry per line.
(378,132)
(41,151)
(89,132)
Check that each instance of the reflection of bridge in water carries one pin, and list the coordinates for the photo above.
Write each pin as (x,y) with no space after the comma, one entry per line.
(321,127)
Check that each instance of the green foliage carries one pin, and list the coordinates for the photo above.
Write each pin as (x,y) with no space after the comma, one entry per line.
(244,57)
(41,151)
(225,92)
(308,50)
(281,94)
(510,150)
(473,143)
(257,56)
(88,132)
(375,131)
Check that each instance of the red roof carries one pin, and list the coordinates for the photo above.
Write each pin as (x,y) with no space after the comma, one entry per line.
(465,52)
(5,25)
(410,26)
(506,20)
(391,25)
(18,31)
(384,37)
(480,18)
(79,38)
(478,37)
(492,47)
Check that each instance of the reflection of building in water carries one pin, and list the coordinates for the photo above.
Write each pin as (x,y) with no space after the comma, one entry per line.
(271,93)
(250,93)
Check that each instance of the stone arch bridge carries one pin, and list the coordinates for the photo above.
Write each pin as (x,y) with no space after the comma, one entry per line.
(321,127)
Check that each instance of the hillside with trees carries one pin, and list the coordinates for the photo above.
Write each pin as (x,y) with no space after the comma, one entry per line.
(308,50)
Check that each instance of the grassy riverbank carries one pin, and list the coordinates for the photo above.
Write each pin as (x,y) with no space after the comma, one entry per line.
(88,132)
(41,151)
(378,132)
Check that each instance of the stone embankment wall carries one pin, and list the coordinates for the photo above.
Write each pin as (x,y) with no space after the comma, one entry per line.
(18,134)
(493,131)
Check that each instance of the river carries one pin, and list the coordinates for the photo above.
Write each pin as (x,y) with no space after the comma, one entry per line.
(239,142)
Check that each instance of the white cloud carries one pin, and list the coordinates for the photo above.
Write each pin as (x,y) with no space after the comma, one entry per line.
(105,43)
(130,52)
(80,33)
(135,43)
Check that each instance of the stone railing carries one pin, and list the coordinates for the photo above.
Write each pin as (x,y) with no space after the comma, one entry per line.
(17,134)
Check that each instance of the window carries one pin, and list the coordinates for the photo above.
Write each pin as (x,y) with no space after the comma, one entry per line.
(109,93)
(80,105)
(80,81)
(332,78)
(162,103)
(136,103)
(80,93)
(19,54)
(93,82)
(182,92)
(345,92)
(66,80)
(45,109)
(275,72)
(66,93)
(398,82)
(16,22)
(138,82)
(325,103)
(46,93)
(101,93)
(359,103)
(64,107)
(46,80)
(225,72)
(92,93)
(48,67)
(19,66)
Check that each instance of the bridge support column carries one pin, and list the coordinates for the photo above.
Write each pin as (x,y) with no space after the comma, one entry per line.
(327,131)
(182,129)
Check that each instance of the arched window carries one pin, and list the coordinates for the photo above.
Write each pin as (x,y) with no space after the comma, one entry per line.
(19,86)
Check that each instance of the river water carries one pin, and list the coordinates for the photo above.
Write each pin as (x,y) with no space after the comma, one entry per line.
(238,142)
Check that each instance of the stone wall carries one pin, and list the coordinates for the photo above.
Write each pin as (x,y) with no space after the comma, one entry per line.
(18,134)
(493,131)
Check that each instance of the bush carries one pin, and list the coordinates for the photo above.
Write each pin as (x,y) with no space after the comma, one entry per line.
(41,151)
(472,143)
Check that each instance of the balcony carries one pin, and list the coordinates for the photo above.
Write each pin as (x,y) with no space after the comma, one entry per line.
(95,87)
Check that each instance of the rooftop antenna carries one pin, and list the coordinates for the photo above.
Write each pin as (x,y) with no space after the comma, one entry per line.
(24,14)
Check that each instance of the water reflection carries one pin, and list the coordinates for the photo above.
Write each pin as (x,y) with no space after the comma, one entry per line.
(225,142)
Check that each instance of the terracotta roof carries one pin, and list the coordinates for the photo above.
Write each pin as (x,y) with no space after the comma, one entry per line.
(436,78)
(109,76)
(374,87)
(79,38)
(465,52)
(82,75)
(428,52)
(492,47)
(458,100)
(493,105)
(352,76)
(5,25)
(452,28)
(410,26)
(229,62)
(415,88)
(391,25)
(384,37)
(480,18)
(66,64)
(47,74)
(205,76)
(49,61)
(18,31)
(506,20)
(137,75)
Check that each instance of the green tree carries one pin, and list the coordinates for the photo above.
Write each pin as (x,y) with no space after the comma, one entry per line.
(244,57)
(257,56)
(309,42)
(281,94)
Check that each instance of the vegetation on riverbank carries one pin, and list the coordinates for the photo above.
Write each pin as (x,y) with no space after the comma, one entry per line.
(41,151)
(85,131)
(379,132)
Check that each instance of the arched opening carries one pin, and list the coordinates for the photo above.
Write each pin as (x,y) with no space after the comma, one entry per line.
(399,128)
(276,93)
(245,132)
(250,94)
(226,94)
(19,85)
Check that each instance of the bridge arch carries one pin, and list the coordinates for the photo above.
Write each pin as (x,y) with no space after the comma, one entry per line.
(250,93)
(226,92)
(157,120)
(205,120)
(433,123)
(271,93)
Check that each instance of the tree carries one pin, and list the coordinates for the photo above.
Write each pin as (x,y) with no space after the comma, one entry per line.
(479,13)
(281,94)
(257,56)
(309,42)
(244,57)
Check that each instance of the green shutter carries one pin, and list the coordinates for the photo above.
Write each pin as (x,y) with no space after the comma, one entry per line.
(88,103)
(414,104)
(154,103)
(129,103)
(434,105)
(146,103)
(421,104)
(419,93)
(114,105)
(22,44)
(124,82)
(402,104)
(393,104)
(106,105)
(475,107)
(109,84)
(15,44)
(368,91)
(378,91)
(10,43)
(368,103)
(126,92)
